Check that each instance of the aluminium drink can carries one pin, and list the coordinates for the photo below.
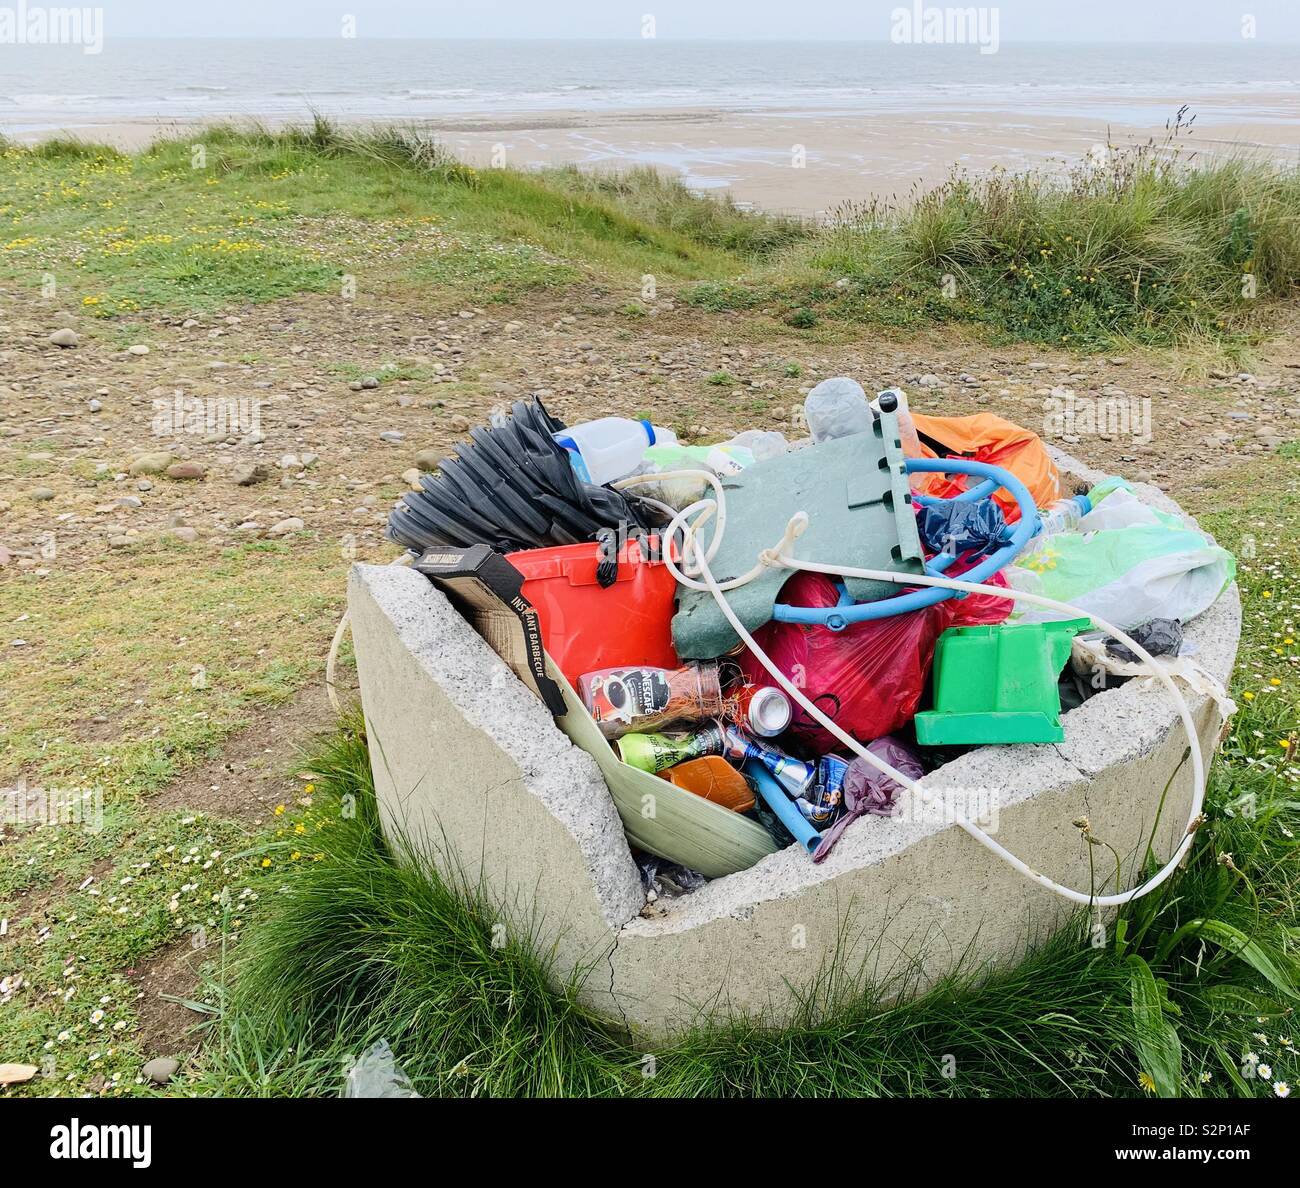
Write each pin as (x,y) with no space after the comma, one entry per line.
(763,709)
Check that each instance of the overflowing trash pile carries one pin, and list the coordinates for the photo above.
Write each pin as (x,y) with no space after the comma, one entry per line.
(780,636)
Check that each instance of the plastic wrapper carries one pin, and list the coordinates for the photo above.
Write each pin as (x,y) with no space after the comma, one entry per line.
(1124,575)
(660,877)
(1160,637)
(724,459)
(377,1074)
(762,443)
(837,407)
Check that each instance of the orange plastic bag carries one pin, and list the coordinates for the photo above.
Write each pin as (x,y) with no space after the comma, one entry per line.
(988,438)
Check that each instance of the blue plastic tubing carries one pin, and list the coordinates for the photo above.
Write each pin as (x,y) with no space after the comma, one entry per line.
(776,799)
(839,617)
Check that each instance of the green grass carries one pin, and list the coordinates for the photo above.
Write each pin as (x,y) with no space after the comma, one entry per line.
(255,215)
(138,886)
(1152,246)
(171,654)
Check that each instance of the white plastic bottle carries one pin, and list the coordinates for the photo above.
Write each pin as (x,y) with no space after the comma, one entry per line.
(610,448)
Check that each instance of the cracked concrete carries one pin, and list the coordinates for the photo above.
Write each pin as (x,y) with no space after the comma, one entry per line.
(470,768)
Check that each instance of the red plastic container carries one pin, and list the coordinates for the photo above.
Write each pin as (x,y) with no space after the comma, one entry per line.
(586,626)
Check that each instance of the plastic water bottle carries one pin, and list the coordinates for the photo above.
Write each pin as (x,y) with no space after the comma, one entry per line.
(1063,515)
(610,448)
(836,408)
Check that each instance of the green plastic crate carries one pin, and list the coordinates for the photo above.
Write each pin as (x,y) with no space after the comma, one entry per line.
(998,684)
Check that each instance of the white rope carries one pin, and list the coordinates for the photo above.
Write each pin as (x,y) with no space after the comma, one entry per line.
(696,561)
(332,657)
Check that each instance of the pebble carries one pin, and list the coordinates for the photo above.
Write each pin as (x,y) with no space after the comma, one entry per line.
(392,435)
(160,1069)
(137,349)
(411,478)
(369,382)
(428,459)
(42,494)
(184,532)
(129,501)
(94,406)
(289,462)
(286,526)
(459,424)
(186,470)
(64,338)
(152,463)
(309,459)
(929,380)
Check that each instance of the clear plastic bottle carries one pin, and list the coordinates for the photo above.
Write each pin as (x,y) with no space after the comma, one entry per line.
(610,448)
(836,407)
(1063,515)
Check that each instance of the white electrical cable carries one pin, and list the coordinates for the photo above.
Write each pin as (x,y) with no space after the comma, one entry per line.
(695,560)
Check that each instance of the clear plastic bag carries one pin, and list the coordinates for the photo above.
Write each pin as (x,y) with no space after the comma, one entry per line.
(837,407)
(377,1074)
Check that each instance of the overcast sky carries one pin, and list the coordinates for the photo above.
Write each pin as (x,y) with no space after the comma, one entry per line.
(867,20)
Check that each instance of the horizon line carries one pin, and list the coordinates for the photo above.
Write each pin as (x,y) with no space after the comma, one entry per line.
(827,40)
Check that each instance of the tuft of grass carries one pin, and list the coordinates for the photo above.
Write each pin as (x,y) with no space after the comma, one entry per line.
(1147,245)
(665,201)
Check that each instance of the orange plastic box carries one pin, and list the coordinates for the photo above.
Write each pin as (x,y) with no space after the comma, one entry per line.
(586,626)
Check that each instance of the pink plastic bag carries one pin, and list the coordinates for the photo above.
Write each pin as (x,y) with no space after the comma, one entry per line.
(868,678)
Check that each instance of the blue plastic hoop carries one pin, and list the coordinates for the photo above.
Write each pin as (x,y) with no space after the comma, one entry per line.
(840,616)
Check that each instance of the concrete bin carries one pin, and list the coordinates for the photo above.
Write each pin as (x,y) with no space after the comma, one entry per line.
(471,768)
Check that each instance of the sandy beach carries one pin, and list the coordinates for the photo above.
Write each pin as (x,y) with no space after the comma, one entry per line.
(808,160)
